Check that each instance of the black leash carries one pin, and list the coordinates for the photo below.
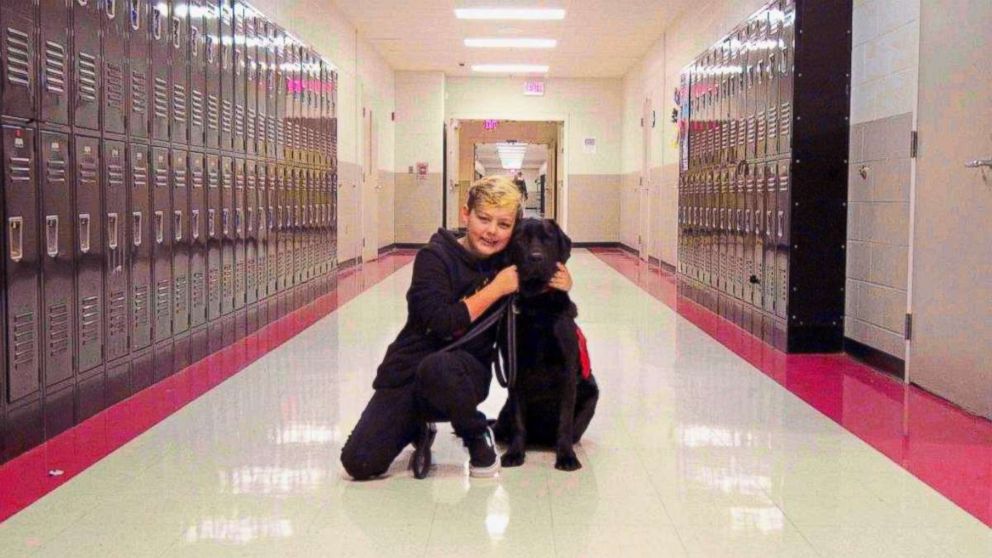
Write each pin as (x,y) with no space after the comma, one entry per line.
(508,311)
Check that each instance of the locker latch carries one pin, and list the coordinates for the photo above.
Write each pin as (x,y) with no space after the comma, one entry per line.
(112,231)
(177,230)
(159,227)
(136,228)
(195,223)
(211,226)
(52,235)
(84,233)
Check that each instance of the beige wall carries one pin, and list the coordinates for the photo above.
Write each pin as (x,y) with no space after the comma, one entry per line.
(590,108)
(419,123)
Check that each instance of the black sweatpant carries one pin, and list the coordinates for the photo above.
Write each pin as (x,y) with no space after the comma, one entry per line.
(447,386)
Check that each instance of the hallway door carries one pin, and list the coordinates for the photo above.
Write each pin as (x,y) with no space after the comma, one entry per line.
(370,185)
(951,268)
(644,188)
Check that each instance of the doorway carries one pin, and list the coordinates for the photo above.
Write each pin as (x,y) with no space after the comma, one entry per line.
(526,163)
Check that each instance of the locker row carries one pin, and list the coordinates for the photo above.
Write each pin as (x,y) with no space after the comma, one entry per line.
(734,243)
(740,92)
(204,73)
(125,253)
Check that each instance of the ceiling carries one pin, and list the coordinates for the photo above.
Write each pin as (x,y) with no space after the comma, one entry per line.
(596,38)
(534,157)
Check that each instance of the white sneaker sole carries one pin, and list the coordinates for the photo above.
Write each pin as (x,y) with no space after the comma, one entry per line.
(484,472)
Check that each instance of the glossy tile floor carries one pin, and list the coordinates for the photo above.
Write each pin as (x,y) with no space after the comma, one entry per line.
(693,452)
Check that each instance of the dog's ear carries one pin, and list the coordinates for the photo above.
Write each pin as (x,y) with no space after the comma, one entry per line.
(564,243)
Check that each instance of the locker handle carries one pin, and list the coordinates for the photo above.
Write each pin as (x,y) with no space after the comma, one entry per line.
(194,36)
(135,14)
(177,230)
(84,233)
(225,217)
(209,46)
(52,235)
(781,223)
(136,228)
(272,216)
(111,9)
(177,32)
(159,227)
(112,231)
(239,221)
(211,219)
(157,23)
(195,223)
(251,219)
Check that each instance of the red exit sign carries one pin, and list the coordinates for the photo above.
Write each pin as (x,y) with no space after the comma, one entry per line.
(533,87)
(490,124)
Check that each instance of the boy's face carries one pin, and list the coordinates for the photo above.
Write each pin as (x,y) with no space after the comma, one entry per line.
(488,229)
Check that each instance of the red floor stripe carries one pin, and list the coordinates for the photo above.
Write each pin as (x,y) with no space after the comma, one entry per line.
(939,443)
(25,479)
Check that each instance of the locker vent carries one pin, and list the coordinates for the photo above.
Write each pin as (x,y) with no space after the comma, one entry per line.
(115,86)
(18,57)
(196,108)
(117,321)
(87,77)
(212,277)
(54,68)
(115,175)
(197,291)
(178,103)
(58,329)
(239,121)
(213,112)
(20,169)
(226,116)
(161,98)
(24,339)
(89,321)
(163,300)
(140,309)
(181,301)
(139,93)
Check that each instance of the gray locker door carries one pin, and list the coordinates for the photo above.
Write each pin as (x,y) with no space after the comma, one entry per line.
(279,108)
(140,243)
(239,65)
(227,233)
(116,219)
(239,230)
(250,230)
(786,88)
(273,233)
(87,77)
(89,252)
(162,241)
(57,257)
(182,238)
(197,73)
(22,255)
(226,74)
(180,64)
(212,68)
(54,61)
(215,238)
(159,70)
(782,229)
(139,80)
(19,60)
(198,238)
(114,65)
(252,78)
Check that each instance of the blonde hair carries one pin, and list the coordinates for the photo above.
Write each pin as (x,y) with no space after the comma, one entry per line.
(495,191)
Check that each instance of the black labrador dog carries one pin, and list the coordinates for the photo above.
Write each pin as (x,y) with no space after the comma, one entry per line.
(551,403)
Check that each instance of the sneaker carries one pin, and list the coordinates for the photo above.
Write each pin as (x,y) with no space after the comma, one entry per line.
(483,462)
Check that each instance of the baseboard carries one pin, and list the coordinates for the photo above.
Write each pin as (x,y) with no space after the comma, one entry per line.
(409,245)
(348,263)
(386,249)
(875,358)
(628,249)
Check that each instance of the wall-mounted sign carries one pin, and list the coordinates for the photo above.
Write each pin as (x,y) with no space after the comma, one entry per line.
(589,145)
(534,87)
(421,171)
(490,124)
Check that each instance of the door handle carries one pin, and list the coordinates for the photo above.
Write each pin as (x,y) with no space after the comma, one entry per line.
(52,235)
(979,163)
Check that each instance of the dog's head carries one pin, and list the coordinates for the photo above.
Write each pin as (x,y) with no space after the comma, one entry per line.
(536,248)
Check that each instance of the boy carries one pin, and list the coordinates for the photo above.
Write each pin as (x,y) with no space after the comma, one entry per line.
(455,282)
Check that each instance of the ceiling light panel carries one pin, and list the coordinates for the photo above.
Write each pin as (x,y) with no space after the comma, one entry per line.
(510,68)
(511,43)
(510,13)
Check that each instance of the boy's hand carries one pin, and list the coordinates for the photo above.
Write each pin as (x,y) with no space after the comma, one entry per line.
(506,281)
(562,279)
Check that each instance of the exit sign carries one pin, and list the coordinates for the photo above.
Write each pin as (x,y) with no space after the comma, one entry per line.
(534,87)
(491,124)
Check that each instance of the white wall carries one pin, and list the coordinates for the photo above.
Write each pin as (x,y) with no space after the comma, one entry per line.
(590,108)
(419,125)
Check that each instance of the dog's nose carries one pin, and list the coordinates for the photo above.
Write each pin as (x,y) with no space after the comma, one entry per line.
(536,256)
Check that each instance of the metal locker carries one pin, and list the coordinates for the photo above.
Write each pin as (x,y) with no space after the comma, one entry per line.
(140,256)
(262,233)
(786,87)
(215,238)
(139,80)
(750,183)
(57,270)
(162,242)
(226,39)
(197,72)
(750,93)
(773,74)
(783,239)
(739,180)
(22,269)
(239,63)
(761,84)
(118,382)
(227,234)
(182,241)
(252,74)
(20,30)
(212,72)
(197,240)
(272,88)
(180,64)
(160,71)
(53,63)
(114,66)
(757,234)
(277,102)
(273,216)
(285,229)
(299,229)
(250,231)
(86,69)
(115,249)
(89,252)
(769,281)
(239,231)
(740,107)
(262,85)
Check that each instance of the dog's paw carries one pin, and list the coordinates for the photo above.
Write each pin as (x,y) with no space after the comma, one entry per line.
(512,459)
(567,463)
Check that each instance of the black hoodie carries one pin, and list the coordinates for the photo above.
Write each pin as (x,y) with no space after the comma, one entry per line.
(444,273)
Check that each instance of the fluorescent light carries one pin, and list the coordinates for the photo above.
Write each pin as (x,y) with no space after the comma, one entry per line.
(511,155)
(510,13)
(510,68)
(511,43)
